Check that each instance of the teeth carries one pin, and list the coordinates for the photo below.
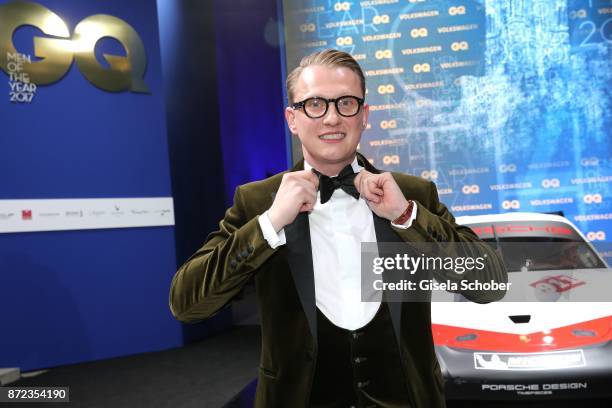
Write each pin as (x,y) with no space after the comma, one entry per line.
(334,136)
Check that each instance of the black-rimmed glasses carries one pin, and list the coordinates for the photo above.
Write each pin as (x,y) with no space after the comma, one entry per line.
(316,107)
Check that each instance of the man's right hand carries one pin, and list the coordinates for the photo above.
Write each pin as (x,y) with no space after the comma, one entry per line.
(297,193)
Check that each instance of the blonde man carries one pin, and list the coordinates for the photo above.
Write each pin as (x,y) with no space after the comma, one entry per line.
(299,234)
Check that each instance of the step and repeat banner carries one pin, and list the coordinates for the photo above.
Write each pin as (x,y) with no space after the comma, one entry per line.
(506,105)
(86,213)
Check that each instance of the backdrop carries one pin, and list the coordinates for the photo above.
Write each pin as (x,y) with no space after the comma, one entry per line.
(506,105)
(88,284)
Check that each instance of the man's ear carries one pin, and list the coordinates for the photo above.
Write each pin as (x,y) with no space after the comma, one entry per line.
(290,117)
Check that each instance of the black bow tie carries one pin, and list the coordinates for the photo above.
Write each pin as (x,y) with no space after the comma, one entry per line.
(344,181)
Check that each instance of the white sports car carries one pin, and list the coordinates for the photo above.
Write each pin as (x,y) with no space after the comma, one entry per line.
(539,342)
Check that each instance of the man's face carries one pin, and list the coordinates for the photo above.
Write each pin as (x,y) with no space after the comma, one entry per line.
(328,142)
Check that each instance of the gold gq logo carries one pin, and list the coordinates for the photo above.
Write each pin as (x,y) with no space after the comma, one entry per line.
(577,14)
(380,54)
(418,68)
(454,11)
(423,102)
(507,168)
(382,19)
(429,174)
(592,198)
(511,204)
(342,6)
(57,54)
(386,89)
(460,46)
(418,32)
(596,236)
(388,124)
(551,183)
(589,161)
(344,41)
(470,189)
(307,28)
(391,159)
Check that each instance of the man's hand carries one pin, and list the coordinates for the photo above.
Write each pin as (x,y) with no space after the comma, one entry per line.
(382,194)
(297,193)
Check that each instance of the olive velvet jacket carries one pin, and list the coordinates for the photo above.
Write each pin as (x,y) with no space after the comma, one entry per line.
(284,280)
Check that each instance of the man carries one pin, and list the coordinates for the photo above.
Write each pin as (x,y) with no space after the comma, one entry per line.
(299,234)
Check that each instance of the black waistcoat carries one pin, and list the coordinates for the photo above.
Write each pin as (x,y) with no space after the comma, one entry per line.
(358,368)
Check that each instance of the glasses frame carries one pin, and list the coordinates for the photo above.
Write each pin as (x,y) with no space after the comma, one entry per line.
(302,105)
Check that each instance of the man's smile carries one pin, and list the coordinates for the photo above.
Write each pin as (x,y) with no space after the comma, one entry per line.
(332,136)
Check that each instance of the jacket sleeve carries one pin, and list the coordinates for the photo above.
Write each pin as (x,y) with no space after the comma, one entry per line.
(436,226)
(212,276)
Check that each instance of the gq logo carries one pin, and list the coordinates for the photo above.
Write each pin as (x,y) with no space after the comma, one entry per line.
(382,19)
(551,183)
(418,32)
(507,168)
(454,11)
(589,161)
(341,41)
(386,89)
(470,189)
(418,68)
(577,14)
(592,198)
(460,46)
(388,124)
(57,54)
(342,6)
(511,204)
(391,159)
(307,28)
(596,236)
(380,54)
(429,174)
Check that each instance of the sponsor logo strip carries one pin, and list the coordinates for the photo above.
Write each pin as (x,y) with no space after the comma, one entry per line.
(79,214)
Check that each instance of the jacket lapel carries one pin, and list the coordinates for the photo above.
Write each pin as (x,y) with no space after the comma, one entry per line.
(384,233)
(299,257)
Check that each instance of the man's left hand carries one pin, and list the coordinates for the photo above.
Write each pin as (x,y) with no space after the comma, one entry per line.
(382,194)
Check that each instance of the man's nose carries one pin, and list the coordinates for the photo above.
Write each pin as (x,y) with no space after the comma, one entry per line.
(332,117)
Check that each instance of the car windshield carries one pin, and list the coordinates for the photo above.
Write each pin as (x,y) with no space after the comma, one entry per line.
(545,253)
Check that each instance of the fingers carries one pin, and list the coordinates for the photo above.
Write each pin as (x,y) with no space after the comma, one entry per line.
(307,176)
(313,178)
(305,179)
(357,181)
(307,207)
(309,183)
(369,186)
(374,185)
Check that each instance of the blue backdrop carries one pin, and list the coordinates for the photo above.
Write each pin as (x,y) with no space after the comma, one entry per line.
(506,105)
(82,295)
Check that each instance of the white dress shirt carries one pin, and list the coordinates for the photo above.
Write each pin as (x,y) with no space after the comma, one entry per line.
(337,229)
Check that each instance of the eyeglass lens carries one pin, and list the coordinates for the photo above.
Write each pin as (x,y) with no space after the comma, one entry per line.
(317,107)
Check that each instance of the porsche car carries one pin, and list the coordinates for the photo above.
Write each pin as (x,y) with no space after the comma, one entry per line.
(550,337)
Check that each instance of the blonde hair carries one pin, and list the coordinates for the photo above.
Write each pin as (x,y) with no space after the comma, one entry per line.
(328,58)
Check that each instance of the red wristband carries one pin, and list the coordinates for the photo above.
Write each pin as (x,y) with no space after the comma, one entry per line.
(401,220)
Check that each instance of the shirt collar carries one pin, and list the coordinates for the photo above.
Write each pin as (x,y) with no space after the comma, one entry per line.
(355,165)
